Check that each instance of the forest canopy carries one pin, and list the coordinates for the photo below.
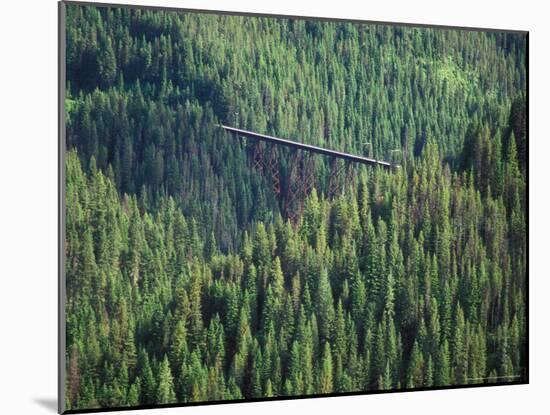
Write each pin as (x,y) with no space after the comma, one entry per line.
(187,281)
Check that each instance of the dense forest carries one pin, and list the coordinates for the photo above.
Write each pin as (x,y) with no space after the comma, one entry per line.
(185,279)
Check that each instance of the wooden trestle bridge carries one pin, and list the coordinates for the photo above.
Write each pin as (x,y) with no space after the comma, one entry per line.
(301,178)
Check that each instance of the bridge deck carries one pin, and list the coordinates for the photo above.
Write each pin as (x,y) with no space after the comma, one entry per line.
(306,147)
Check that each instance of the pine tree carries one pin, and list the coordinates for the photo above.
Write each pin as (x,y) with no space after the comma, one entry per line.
(325,306)
(325,376)
(107,66)
(165,390)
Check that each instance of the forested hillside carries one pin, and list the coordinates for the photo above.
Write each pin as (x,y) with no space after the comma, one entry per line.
(185,280)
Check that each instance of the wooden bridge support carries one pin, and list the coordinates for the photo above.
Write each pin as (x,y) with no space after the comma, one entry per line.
(265,160)
(300,182)
(300,178)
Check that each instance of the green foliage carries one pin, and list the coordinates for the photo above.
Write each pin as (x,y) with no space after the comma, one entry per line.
(184,281)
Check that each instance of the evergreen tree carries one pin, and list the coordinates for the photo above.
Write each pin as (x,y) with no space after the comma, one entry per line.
(165,389)
(325,376)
